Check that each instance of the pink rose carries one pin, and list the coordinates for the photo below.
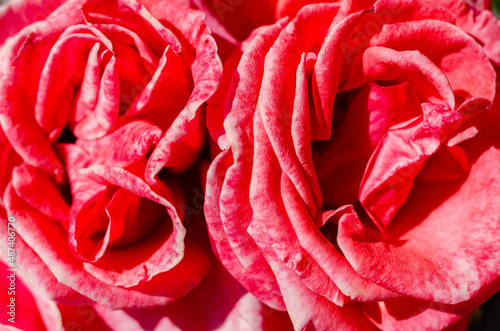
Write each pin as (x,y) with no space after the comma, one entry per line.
(96,98)
(355,187)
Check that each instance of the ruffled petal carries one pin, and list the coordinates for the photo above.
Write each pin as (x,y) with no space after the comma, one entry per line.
(224,250)
(50,243)
(33,186)
(402,154)
(124,146)
(441,245)
(247,265)
(182,141)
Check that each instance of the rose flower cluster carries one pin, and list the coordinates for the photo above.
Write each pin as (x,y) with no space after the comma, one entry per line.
(234,165)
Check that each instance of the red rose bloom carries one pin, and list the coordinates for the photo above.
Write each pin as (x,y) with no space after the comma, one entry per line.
(96,98)
(356,187)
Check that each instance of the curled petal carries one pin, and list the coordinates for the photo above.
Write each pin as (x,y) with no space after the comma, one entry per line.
(102,119)
(450,256)
(184,138)
(50,244)
(402,154)
(124,146)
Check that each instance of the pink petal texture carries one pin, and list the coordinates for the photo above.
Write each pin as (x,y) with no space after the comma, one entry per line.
(353,174)
(49,243)
(219,303)
(129,85)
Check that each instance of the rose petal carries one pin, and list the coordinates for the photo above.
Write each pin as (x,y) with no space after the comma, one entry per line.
(169,88)
(217,304)
(132,16)
(448,164)
(33,186)
(307,309)
(380,64)
(83,317)
(402,153)
(26,303)
(57,83)
(49,242)
(124,146)
(369,113)
(450,257)
(224,250)
(24,60)
(36,272)
(327,74)
(481,24)
(15,15)
(317,248)
(404,313)
(246,256)
(237,18)
(87,95)
(184,138)
(455,47)
(10,161)
(277,93)
(172,247)
(102,119)
(216,104)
